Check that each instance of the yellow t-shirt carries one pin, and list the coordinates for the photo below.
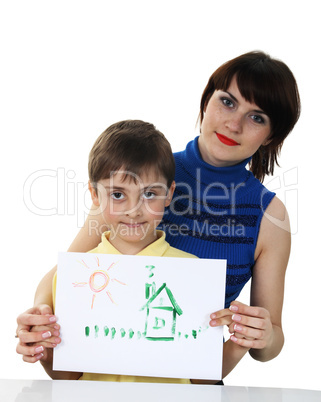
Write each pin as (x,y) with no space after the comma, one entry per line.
(159,248)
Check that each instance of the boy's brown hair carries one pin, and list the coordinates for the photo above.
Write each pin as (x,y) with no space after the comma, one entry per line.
(134,146)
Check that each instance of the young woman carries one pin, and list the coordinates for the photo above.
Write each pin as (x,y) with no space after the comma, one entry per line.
(220,209)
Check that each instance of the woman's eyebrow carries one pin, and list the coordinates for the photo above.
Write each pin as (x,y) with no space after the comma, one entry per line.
(235,100)
(232,96)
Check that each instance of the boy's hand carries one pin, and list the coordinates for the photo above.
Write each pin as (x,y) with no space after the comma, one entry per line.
(37,330)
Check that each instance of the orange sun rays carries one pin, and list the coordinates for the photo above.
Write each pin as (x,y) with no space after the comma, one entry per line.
(98,281)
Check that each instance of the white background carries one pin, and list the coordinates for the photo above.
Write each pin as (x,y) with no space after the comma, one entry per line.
(71,68)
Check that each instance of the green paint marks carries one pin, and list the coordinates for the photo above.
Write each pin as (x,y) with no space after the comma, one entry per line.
(147,290)
(160,338)
(150,289)
(173,301)
(159,323)
(150,267)
(113,332)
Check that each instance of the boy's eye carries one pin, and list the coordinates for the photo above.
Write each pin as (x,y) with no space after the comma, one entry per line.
(148,195)
(117,196)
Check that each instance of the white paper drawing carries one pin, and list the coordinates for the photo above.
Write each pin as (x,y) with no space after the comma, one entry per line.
(139,315)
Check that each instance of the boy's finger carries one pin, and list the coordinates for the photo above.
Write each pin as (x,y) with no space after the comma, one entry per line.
(32,359)
(44,309)
(54,329)
(221,313)
(217,322)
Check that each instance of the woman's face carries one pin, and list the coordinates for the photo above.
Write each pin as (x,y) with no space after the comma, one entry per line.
(232,129)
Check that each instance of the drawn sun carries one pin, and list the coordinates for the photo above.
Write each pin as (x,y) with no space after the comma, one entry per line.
(98,280)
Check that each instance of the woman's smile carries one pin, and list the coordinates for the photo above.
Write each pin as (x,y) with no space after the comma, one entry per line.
(226,140)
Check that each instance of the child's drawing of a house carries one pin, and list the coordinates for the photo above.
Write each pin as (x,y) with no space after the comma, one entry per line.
(161,312)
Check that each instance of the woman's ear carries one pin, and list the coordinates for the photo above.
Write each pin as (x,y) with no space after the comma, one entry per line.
(267,142)
(93,193)
(170,193)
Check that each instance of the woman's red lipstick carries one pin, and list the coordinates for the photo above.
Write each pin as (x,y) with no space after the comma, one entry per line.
(226,140)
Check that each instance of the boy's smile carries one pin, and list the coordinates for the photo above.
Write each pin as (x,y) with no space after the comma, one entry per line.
(132,207)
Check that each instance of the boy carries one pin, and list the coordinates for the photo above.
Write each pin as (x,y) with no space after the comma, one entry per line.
(131,179)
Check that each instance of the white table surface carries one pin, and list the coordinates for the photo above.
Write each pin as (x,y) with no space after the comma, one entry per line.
(90,391)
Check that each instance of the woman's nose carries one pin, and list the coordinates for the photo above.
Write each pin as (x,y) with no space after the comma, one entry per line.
(235,123)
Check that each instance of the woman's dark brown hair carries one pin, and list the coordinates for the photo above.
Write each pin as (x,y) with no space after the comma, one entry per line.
(268,83)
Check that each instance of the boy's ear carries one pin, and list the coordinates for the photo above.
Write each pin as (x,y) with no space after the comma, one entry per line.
(94,195)
(170,193)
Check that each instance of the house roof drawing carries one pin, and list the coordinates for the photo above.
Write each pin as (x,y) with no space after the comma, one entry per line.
(175,305)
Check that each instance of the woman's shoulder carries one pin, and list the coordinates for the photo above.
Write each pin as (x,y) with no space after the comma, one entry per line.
(277,214)
(275,229)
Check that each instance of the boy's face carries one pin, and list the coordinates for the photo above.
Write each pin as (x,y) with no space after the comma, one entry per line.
(132,208)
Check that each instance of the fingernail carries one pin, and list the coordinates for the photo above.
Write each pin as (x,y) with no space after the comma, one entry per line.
(38,357)
(233,338)
(238,327)
(233,307)
(39,349)
(52,319)
(213,323)
(46,335)
(236,317)
(213,316)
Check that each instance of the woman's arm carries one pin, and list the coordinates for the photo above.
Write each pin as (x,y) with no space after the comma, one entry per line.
(267,287)
(258,327)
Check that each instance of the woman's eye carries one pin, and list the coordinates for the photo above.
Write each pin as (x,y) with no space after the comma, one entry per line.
(117,196)
(148,195)
(227,102)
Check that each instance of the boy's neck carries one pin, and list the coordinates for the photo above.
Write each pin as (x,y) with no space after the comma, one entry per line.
(131,248)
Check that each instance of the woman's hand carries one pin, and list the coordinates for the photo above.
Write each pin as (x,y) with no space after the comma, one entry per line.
(251,327)
(37,330)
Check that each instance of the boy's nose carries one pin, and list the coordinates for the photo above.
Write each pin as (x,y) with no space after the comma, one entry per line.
(134,210)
